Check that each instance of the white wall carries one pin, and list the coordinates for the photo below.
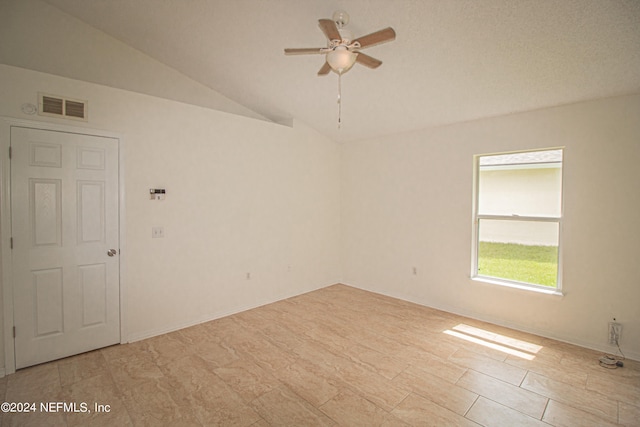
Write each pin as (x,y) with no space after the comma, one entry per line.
(407,199)
(250,196)
(38,36)
(243,196)
(520,232)
(524,192)
(530,191)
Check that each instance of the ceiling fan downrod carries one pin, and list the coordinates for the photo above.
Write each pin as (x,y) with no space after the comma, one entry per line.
(339,100)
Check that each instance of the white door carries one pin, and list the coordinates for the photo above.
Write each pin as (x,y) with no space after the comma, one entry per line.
(65,231)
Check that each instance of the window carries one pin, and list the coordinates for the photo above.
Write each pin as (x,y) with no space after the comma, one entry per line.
(517,219)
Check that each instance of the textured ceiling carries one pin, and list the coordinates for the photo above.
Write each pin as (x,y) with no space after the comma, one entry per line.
(452,60)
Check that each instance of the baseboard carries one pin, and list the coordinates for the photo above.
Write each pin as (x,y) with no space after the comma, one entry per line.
(450,309)
(139,336)
(512,325)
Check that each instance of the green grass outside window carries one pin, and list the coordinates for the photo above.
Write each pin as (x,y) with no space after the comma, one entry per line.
(522,263)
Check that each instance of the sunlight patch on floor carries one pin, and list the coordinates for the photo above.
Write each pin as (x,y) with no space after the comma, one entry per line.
(505,344)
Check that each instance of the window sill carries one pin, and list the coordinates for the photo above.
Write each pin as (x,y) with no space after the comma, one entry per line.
(542,290)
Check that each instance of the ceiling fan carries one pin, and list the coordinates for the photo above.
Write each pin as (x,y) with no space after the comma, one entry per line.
(342,50)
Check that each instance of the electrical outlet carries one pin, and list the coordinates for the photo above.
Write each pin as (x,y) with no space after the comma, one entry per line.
(157,232)
(615,329)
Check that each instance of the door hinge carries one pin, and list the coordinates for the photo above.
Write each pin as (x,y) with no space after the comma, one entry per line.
(9,151)
(11,242)
(14,331)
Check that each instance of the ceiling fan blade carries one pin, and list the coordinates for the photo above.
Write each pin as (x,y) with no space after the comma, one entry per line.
(382,36)
(329,29)
(326,68)
(303,51)
(368,61)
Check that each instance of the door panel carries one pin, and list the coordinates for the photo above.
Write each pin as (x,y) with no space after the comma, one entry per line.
(90,211)
(45,212)
(93,288)
(64,206)
(47,289)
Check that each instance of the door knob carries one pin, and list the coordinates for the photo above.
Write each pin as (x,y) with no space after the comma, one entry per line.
(112,252)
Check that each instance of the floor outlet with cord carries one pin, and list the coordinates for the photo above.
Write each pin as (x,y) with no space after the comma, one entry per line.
(613,361)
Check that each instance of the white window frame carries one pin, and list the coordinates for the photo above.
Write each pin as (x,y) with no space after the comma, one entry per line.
(476,221)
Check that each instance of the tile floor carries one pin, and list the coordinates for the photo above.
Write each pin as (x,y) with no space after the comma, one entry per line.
(336,356)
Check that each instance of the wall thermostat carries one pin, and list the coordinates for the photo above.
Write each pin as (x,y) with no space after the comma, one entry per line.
(157,193)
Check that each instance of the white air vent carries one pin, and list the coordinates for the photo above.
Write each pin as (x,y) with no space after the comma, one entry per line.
(58,106)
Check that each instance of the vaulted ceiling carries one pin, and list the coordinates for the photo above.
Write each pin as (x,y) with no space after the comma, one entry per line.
(452,60)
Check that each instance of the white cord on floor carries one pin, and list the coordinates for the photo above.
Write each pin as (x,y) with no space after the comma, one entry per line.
(612,361)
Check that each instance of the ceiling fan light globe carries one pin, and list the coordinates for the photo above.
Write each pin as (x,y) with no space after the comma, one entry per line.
(341,59)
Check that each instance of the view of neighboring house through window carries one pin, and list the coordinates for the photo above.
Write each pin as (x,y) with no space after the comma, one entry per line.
(518,211)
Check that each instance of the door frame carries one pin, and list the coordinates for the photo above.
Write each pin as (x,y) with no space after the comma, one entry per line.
(6,279)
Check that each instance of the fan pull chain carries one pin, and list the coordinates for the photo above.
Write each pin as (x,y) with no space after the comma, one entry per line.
(339,100)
